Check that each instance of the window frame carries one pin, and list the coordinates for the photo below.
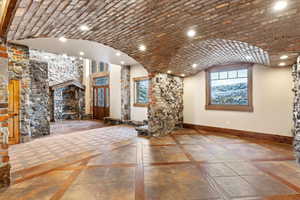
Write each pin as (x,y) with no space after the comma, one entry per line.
(243,108)
(135,80)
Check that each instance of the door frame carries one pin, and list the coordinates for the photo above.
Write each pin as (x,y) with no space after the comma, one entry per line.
(14,88)
(99,75)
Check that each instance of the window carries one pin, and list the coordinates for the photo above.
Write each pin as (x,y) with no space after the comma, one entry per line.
(141,86)
(94,66)
(101,81)
(99,67)
(229,88)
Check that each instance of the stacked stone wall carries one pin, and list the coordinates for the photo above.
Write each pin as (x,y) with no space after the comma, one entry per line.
(39,98)
(18,69)
(125,93)
(69,103)
(4,158)
(37,71)
(61,68)
(165,110)
(296,108)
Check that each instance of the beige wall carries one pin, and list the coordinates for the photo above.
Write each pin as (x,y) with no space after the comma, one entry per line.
(272,101)
(115,91)
(137,113)
(86,82)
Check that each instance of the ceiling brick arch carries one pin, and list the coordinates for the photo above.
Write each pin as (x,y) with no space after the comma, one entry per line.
(161,25)
(214,52)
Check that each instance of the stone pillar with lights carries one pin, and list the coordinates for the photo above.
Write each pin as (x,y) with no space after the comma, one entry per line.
(296,109)
(165,109)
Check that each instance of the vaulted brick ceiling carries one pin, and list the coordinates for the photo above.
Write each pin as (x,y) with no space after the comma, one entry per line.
(227,30)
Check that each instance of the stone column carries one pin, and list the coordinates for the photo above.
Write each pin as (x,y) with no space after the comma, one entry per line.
(296,109)
(165,110)
(125,93)
(18,68)
(39,99)
(51,105)
(58,104)
(4,158)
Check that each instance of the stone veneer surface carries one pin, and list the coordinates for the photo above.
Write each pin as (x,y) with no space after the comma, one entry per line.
(165,110)
(18,67)
(36,77)
(4,158)
(3,75)
(39,98)
(296,109)
(63,102)
(61,68)
(125,93)
(68,103)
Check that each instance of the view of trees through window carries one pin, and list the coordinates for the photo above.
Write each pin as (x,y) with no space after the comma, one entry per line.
(229,87)
(142,91)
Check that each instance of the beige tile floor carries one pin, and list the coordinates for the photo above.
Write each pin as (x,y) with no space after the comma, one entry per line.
(112,163)
(39,151)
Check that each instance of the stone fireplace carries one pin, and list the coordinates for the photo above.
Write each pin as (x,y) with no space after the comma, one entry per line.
(67,101)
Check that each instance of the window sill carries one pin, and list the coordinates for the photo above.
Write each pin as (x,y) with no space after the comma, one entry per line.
(140,105)
(230,108)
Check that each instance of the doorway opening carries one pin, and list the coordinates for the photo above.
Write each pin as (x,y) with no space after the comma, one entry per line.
(14,108)
(101,97)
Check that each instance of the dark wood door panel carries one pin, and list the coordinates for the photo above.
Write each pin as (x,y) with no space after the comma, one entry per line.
(100,102)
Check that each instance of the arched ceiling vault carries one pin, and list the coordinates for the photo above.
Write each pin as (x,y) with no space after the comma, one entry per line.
(161,26)
(214,52)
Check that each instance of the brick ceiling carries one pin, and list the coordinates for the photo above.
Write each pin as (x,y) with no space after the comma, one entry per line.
(228,31)
(216,52)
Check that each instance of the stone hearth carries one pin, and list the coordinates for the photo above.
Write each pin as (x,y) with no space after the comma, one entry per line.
(67,101)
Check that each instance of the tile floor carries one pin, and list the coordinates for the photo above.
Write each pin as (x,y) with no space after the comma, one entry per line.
(112,163)
(70,126)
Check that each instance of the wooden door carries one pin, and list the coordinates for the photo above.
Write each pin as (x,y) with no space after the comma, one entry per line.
(14,109)
(100,102)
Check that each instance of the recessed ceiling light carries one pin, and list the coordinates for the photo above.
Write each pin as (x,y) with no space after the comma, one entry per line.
(282,64)
(84,28)
(283,57)
(81,58)
(81,53)
(142,47)
(62,39)
(194,65)
(191,33)
(169,71)
(183,75)
(122,62)
(280,5)
(118,54)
